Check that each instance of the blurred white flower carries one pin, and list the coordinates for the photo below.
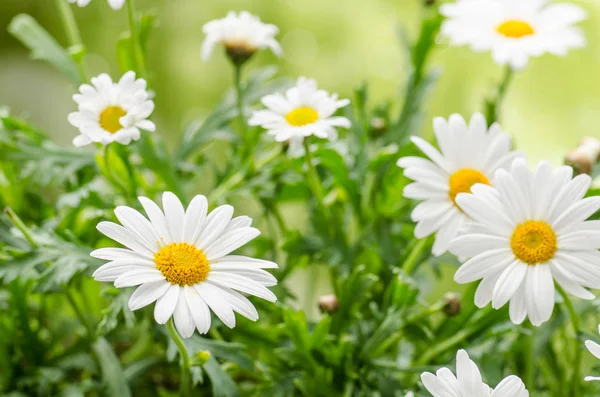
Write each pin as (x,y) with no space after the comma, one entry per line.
(594,348)
(514,30)
(114,4)
(528,232)
(110,112)
(303,111)
(242,35)
(470,154)
(181,259)
(468,382)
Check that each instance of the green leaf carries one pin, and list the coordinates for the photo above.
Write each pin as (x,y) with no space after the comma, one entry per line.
(113,375)
(43,46)
(221,382)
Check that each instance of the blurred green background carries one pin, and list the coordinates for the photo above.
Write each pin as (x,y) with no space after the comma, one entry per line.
(341,43)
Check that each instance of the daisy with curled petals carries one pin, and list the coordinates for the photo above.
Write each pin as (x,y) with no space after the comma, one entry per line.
(468,382)
(114,4)
(112,112)
(514,30)
(303,111)
(527,233)
(469,154)
(242,35)
(594,348)
(181,259)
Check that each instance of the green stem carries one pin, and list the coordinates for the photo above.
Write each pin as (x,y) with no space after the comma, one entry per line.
(414,255)
(135,40)
(493,105)
(314,180)
(575,380)
(239,97)
(82,318)
(185,385)
(529,373)
(75,42)
(130,171)
(18,223)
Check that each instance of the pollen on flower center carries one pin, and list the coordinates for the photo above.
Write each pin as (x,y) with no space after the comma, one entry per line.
(182,264)
(302,116)
(462,180)
(533,242)
(515,29)
(109,118)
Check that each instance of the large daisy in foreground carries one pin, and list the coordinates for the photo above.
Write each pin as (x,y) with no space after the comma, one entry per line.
(514,30)
(112,112)
(303,111)
(468,382)
(470,154)
(527,233)
(181,260)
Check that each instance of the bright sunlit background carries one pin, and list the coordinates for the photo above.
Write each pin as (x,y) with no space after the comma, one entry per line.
(341,43)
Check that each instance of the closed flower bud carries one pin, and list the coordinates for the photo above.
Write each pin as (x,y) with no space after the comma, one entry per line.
(201,358)
(239,52)
(378,127)
(585,156)
(329,304)
(452,306)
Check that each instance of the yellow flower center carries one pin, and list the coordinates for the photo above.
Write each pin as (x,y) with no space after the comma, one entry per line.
(109,118)
(515,29)
(462,180)
(533,242)
(302,116)
(182,263)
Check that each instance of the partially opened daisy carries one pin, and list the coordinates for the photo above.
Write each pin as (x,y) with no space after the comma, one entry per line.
(181,259)
(114,4)
(594,348)
(112,112)
(303,111)
(514,30)
(242,35)
(529,232)
(468,382)
(469,154)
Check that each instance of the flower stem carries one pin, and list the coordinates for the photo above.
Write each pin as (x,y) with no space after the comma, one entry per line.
(492,112)
(88,327)
(575,381)
(185,384)
(73,35)
(315,182)
(239,95)
(413,257)
(18,223)
(135,41)
(529,370)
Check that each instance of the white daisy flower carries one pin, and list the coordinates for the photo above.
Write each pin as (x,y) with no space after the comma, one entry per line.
(242,35)
(114,4)
(470,154)
(468,382)
(303,111)
(513,30)
(110,112)
(594,348)
(528,232)
(181,259)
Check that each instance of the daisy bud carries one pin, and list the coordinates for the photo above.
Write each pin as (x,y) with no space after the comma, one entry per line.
(452,306)
(328,304)
(429,3)
(585,156)
(378,127)
(239,53)
(201,358)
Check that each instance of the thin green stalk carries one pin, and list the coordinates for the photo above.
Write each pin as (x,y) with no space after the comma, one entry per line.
(529,373)
(493,105)
(75,42)
(185,383)
(135,41)
(82,318)
(109,175)
(130,171)
(239,97)
(412,258)
(314,181)
(18,223)
(575,380)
